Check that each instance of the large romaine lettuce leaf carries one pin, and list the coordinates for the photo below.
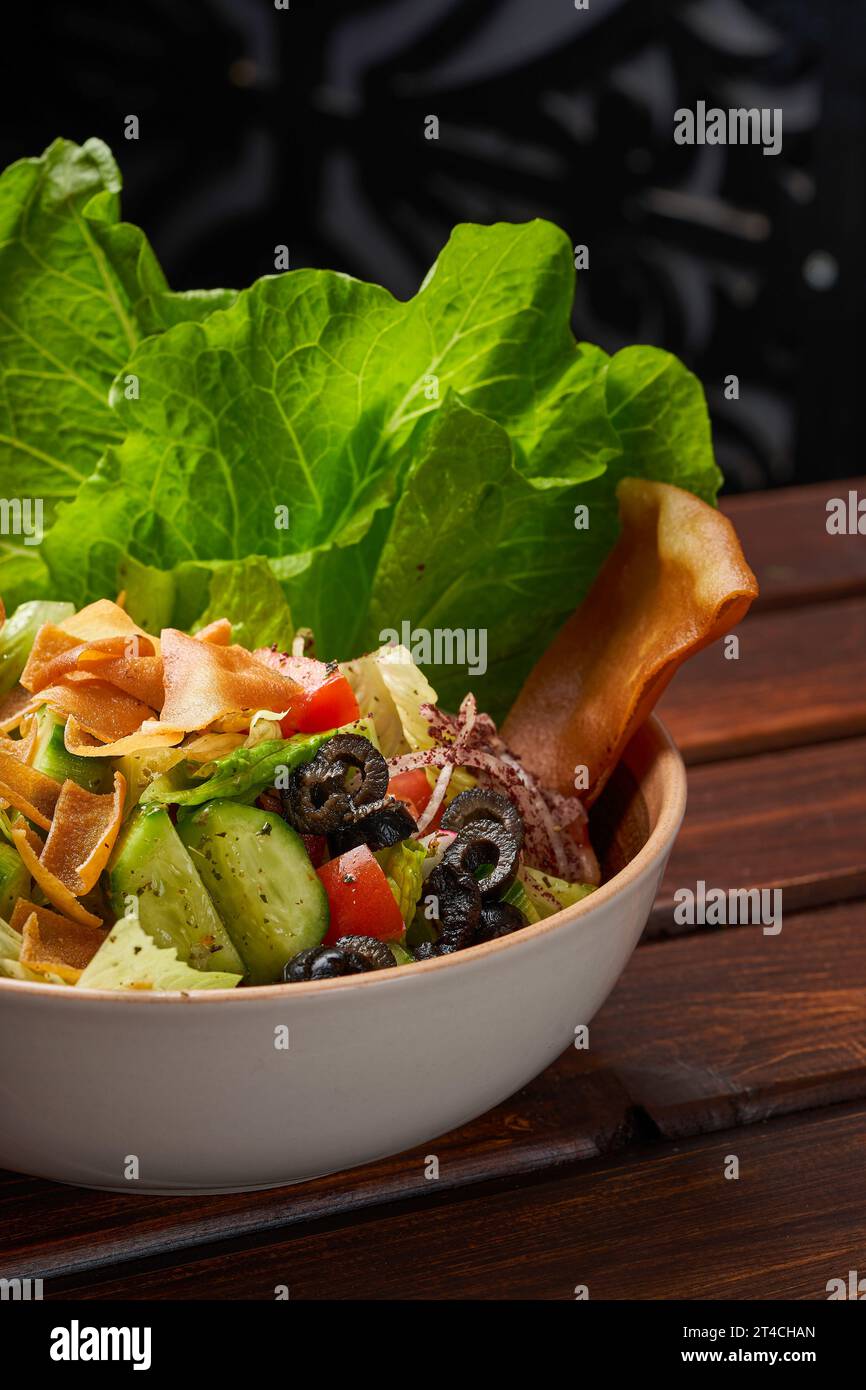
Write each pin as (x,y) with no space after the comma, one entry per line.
(248,593)
(79,290)
(474,544)
(304,394)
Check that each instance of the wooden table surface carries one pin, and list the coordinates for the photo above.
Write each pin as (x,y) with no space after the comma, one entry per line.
(718,1043)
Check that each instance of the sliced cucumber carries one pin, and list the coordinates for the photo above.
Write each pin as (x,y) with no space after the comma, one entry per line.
(14,880)
(262,883)
(152,864)
(52,757)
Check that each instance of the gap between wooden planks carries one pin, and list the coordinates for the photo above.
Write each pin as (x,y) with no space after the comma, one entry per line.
(784,536)
(800,678)
(794,820)
(624,1228)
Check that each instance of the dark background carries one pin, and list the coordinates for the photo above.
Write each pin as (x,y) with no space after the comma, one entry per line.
(262,126)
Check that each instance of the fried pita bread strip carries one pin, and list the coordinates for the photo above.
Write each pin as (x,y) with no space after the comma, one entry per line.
(675,581)
(82,834)
(100,709)
(218,632)
(29,791)
(152,734)
(53,944)
(103,619)
(14,707)
(55,891)
(205,683)
(52,654)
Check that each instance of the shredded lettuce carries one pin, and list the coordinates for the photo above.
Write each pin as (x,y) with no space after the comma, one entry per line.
(14,878)
(541,888)
(391,689)
(517,895)
(402,865)
(130,959)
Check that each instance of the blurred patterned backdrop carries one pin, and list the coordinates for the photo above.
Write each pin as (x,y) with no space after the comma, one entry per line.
(305,126)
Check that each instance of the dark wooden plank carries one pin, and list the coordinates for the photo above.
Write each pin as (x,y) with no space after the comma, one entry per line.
(800,677)
(785,539)
(793,820)
(662,1225)
(732,1027)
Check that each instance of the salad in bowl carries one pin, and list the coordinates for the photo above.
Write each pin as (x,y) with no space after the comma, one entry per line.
(232,494)
(182,813)
(281,889)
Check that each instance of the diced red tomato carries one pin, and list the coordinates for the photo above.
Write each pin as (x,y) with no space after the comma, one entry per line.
(325,706)
(317,848)
(359,897)
(413,788)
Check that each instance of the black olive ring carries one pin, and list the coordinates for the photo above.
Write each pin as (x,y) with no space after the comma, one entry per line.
(485,842)
(317,800)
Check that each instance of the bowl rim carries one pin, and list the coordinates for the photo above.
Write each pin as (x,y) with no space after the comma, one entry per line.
(657,844)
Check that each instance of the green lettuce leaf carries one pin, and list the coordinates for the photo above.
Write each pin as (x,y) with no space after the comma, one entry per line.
(541,887)
(304,395)
(313,449)
(390,689)
(402,865)
(475,546)
(79,290)
(17,635)
(243,774)
(248,593)
(517,895)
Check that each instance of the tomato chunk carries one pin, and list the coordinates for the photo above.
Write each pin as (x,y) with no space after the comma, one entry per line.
(413,788)
(321,707)
(359,897)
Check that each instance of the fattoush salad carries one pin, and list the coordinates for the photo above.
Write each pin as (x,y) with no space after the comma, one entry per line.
(181,813)
(216,770)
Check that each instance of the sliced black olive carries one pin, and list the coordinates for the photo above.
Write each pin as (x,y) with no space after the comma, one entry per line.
(379,827)
(485,842)
(369,952)
(481,804)
(498,919)
(354,752)
(428,950)
(458,906)
(318,799)
(320,963)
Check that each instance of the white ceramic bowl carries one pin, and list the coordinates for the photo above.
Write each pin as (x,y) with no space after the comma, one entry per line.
(196,1090)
